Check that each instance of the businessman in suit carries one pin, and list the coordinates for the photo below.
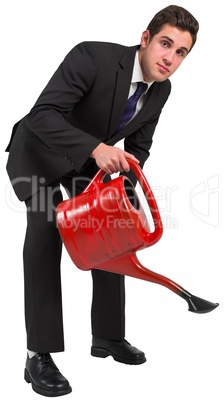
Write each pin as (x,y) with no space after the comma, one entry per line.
(67,136)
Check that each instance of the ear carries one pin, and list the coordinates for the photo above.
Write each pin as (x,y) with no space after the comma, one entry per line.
(145,38)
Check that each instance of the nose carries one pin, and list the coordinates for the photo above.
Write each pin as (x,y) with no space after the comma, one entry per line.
(168,58)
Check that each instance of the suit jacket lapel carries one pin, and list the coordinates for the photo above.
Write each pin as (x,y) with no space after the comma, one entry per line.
(124,75)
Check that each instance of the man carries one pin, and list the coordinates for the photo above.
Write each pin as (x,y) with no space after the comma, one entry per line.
(68,135)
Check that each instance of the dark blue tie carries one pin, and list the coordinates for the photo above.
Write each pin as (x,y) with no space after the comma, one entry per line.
(131,106)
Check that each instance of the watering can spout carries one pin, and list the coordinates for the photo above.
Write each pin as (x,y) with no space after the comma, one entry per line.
(131,266)
(196,304)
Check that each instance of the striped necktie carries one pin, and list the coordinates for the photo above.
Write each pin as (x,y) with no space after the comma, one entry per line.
(131,106)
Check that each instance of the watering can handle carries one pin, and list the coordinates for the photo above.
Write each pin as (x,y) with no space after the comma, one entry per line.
(155,236)
(158,230)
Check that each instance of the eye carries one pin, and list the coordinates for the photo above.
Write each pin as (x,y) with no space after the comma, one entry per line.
(180,53)
(164,43)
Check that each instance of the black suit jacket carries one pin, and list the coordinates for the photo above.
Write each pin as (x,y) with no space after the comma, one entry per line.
(80,107)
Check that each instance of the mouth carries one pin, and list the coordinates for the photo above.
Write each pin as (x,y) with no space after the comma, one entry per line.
(163,68)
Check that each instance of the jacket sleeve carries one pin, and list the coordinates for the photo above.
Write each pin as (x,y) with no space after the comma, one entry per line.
(47,119)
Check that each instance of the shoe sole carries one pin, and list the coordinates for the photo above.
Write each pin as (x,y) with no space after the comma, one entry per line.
(103,353)
(42,391)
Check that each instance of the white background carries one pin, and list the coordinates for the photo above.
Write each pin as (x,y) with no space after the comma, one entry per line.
(184,350)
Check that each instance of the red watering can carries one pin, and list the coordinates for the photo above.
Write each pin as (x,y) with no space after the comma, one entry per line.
(104,227)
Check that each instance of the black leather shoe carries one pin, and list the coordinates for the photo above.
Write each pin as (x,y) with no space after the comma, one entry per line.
(121,351)
(45,377)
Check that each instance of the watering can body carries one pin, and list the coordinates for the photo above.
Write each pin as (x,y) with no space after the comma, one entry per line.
(104,227)
(107,221)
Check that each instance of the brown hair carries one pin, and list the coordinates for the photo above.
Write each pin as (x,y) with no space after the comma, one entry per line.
(176,16)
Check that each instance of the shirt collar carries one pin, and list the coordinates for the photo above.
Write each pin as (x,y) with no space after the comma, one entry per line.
(137,75)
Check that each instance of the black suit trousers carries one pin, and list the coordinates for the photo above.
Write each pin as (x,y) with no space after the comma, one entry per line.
(42,276)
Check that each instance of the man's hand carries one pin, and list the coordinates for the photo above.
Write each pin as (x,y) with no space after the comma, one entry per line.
(112,159)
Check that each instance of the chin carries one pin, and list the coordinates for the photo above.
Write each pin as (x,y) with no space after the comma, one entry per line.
(161,79)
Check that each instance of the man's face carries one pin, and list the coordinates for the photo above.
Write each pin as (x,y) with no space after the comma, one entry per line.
(160,57)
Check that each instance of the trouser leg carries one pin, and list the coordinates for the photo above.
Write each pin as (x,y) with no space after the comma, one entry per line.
(42,255)
(108,305)
(108,302)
